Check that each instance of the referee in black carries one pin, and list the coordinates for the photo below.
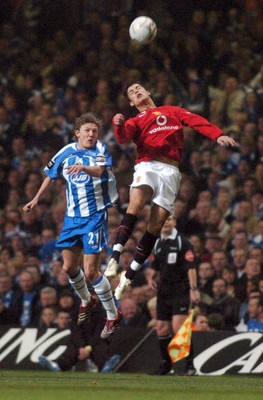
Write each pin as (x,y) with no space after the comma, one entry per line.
(173,274)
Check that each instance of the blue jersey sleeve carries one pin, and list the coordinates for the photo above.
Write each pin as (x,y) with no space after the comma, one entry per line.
(54,167)
(104,156)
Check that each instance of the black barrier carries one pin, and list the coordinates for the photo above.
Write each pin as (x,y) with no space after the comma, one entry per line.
(216,353)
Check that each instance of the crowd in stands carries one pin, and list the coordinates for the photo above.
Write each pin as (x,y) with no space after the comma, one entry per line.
(210,62)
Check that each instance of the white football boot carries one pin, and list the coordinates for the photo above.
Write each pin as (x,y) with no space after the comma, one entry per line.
(122,286)
(112,269)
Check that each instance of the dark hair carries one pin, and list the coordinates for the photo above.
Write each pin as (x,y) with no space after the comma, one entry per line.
(128,84)
(86,119)
(216,321)
(242,231)
(66,293)
(259,298)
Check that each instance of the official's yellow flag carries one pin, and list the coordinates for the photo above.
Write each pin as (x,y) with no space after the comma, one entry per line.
(179,346)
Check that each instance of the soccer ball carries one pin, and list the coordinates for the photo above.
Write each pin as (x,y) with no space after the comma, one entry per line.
(143,30)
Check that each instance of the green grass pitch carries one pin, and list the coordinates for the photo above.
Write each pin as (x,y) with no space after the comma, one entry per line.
(44,385)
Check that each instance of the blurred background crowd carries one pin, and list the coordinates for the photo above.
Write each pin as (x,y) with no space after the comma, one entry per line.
(59,59)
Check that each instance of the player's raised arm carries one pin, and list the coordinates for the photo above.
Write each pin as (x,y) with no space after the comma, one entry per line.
(123,130)
(118,119)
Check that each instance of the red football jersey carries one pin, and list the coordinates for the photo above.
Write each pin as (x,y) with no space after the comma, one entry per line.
(159,131)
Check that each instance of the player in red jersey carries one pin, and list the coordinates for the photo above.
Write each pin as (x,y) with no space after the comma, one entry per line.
(158,135)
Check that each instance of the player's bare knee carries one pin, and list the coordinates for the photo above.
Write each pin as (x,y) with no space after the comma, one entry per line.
(69,269)
(91,274)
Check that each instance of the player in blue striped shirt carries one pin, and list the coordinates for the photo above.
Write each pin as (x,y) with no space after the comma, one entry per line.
(90,190)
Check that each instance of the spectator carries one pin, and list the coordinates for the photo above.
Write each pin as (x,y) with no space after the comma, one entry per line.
(48,296)
(239,261)
(232,100)
(260,284)
(258,239)
(252,271)
(69,302)
(63,320)
(47,249)
(206,276)
(212,244)
(218,262)
(215,322)
(257,253)
(201,253)
(230,276)
(48,317)
(84,343)
(199,218)
(224,304)
(9,300)
(140,294)
(257,204)
(252,293)
(255,313)
(62,281)
(244,213)
(223,202)
(28,300)
(200,323)
(132,316)
(40,280)
(240,240)
(216,223)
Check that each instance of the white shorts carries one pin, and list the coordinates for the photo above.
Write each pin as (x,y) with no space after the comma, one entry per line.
(164,179)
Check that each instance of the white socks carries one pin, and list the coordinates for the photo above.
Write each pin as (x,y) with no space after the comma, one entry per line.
(103,290)
(78,282)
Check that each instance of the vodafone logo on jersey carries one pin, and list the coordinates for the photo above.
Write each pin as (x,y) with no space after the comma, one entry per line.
(161,120)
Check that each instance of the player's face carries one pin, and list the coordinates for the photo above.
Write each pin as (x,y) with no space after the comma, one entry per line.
(137,94)
(87,135)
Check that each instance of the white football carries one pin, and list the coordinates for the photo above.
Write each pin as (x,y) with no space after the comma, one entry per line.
(143,30)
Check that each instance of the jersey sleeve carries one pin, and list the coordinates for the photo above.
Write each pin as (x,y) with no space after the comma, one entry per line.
(188,256)
(104,157)
(125,132)
(199,124)
(54,167)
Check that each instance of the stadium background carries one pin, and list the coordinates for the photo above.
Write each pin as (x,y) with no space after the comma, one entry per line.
(58,60)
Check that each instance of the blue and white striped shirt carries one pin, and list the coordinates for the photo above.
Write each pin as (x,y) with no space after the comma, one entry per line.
(85,194)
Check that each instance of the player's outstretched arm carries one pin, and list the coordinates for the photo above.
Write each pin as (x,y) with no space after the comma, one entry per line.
(226,141)
(29,206)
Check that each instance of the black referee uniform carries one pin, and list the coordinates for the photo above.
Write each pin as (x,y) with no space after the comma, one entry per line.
(173,257)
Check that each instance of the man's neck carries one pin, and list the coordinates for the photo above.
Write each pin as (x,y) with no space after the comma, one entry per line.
(144,106)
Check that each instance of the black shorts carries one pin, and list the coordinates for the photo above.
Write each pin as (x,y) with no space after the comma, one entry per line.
(167,307)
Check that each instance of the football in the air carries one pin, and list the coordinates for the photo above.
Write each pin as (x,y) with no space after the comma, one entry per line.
(143,30)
